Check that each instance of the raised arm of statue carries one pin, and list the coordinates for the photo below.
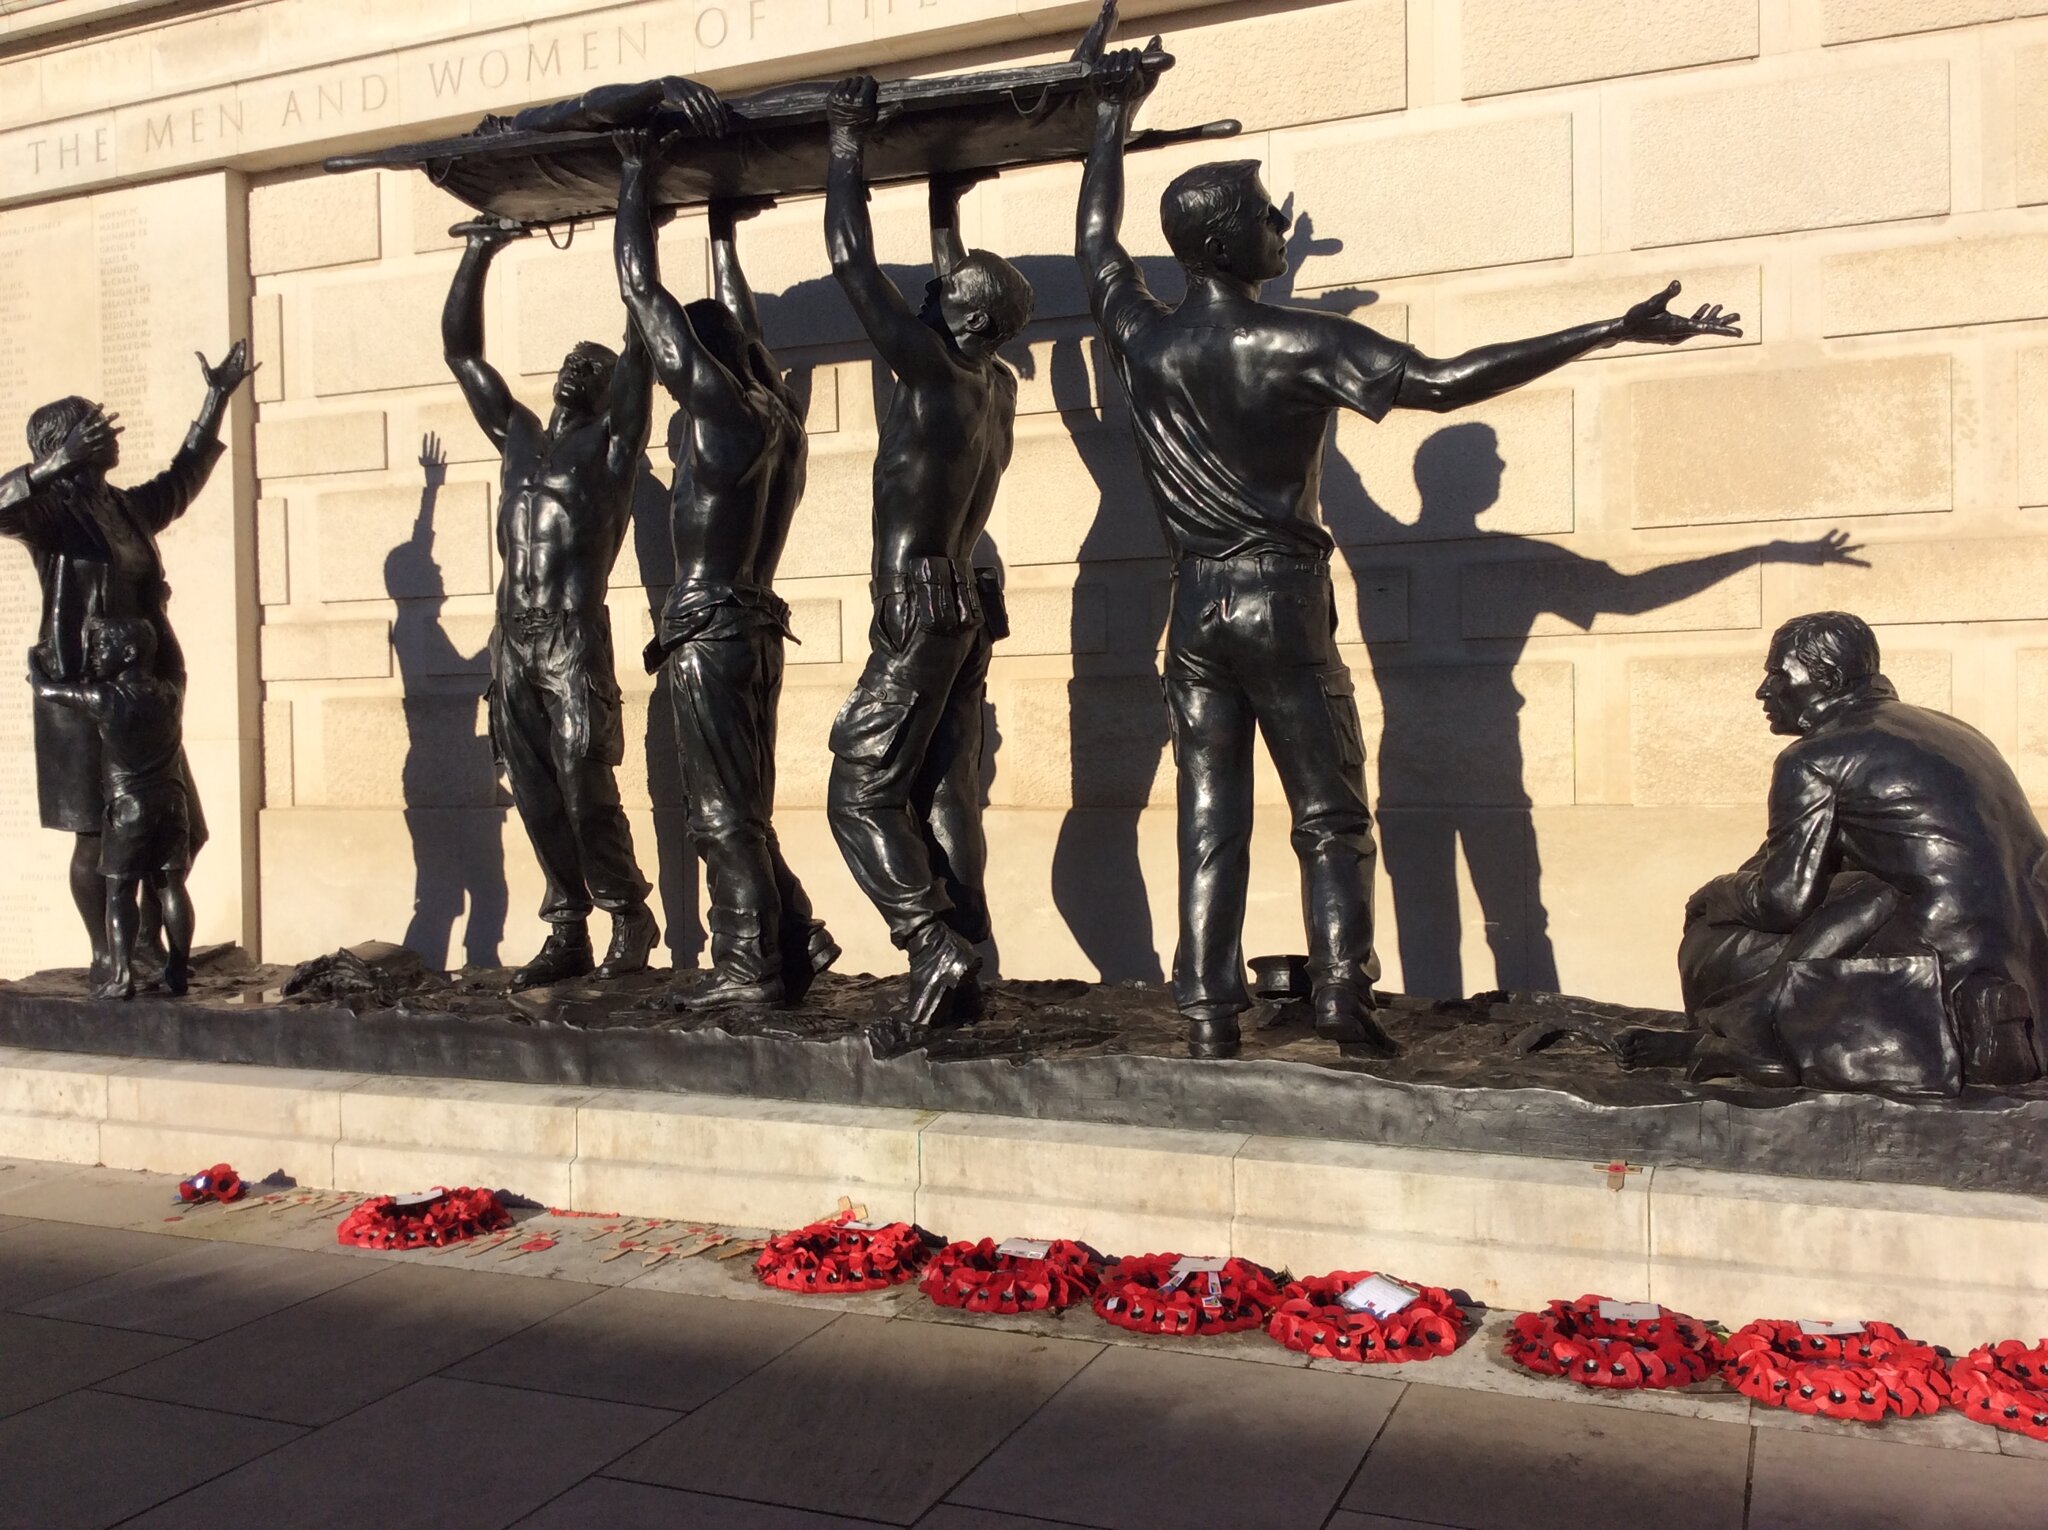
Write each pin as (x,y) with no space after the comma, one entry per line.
(1444,385)
(462,330)
(728,280)
(907,346)
(946,190)
(630,414)
(679,358)
(1106,266)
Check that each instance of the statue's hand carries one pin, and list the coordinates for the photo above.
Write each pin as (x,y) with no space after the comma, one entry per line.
(1651,322)
(488,232)
(234,369)
(632,144)
(726,212)
(949,186)
(1835,547)
(1119,75)
(703,112)
(852,108)
(92,443)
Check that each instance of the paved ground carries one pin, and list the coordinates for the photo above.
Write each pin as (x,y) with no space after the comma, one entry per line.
(235,1368)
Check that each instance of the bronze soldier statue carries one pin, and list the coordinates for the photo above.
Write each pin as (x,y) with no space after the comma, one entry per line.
(1892,930)
(1230,400)
(565,500)
(95,553)
(739,473)
(147,840)
(904,799)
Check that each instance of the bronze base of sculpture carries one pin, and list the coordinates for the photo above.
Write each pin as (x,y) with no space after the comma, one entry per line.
(1521,1074)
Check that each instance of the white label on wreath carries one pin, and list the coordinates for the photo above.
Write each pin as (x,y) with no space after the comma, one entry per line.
(1023,1248)
(1189,1265)
(1629,1312)
(1813,1328)
(414,1199)
(1379,1296)
(857,1226)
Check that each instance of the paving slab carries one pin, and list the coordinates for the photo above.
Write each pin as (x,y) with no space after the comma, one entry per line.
(46,1358)
(658,1348)
(865,1418)
(319,1360)
(90,1459)
(40,1259)
(1482,1461)
(1148,1440)
(440,1455)
(96,1197)
(199,1292)
(1804,1481)
(641,1506)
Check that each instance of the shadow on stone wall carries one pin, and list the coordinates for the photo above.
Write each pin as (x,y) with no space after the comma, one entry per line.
(457,851)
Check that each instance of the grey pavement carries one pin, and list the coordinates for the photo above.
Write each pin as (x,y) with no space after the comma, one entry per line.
(216,1368)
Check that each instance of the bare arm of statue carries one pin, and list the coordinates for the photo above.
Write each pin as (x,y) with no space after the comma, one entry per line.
(909,347)
(462,331)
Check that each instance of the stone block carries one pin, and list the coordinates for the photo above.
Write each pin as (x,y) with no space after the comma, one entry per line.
(2032,377)
(355,650)
(429,642)
(821,405)
(818,630)
(832,532)
(313,220)
(1090,742)
(1559,593)
(1853,20)
(1950,1267)
(366,336)
(1505,466)
(434,212)
(266,347)
(1510,45)
(1125,1190)
(1060,367)
(370,547)
(49,1139)
(2030,759)
(1812,151)
(1933,286)
(2030,124)
(1697,732)
(309,445)
(1250,67)
(273,553)
(1995,579)
(424,750)
(449,421)
(376,1169)
(1470,734)
(1448,200)
(278,785)
(463,1114)
(1467,319)
(60,1085)
(276,1102)
(567,296)
(1843,438)
(744,1162)
(1055,621)
(803,757)
(1372,605)
(1074,493)
(168,1148)
(1511,1232)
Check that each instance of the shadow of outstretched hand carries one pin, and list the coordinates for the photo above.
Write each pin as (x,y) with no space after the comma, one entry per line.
(1835,547)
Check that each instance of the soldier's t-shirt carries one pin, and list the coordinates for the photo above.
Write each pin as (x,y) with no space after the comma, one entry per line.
(1231,403)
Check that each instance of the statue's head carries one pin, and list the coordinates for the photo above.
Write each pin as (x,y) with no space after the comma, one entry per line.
(49,425)
(719,333)
(1220,221)
(585,380)
(1815,658)
(983,303)
(114,646)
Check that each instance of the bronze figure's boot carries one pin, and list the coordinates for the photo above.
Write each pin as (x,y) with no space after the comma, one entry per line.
(634,934)
(565,954)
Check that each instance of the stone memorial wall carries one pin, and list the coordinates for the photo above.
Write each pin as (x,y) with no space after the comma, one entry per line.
(1560,723)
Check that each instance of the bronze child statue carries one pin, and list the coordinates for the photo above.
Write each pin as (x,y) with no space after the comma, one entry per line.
(146,835)
(904,799)
(565,501)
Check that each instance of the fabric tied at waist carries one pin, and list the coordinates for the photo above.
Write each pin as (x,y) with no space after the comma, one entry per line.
(705,610)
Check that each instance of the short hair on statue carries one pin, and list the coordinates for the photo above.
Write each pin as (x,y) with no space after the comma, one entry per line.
(1831,644)
(998,289)
(49,425)
(1198,202)
(590,352)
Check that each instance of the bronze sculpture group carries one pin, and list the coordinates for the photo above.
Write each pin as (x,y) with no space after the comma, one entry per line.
(1891,933)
